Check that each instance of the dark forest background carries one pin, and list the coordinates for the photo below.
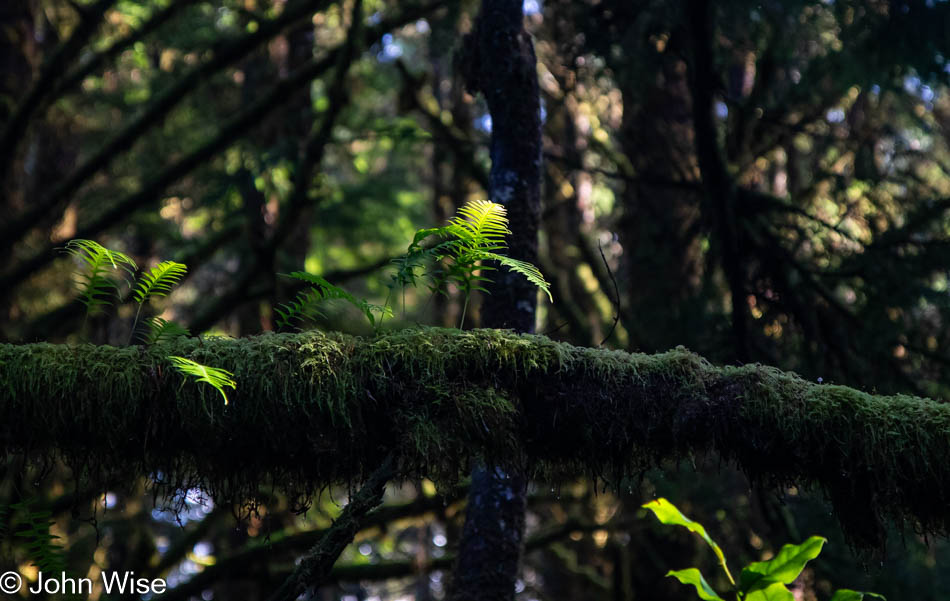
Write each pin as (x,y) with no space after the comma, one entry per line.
(779,194)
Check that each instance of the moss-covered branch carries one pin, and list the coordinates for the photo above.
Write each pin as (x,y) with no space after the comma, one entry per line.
(313,409)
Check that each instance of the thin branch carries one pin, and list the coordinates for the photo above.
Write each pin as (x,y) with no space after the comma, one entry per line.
(315,566)
(616,295)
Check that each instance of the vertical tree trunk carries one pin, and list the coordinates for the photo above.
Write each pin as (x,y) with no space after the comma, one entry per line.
(499,61)
(719,187)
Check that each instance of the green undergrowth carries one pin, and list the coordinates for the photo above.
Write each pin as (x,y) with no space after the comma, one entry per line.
(317,409)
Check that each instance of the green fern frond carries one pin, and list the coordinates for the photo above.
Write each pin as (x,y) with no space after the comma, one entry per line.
(96,284)
(40,544)
(529,271)
(481,224)
(159,280)
(213,376)
(304,306)
(477,234)
(161,330)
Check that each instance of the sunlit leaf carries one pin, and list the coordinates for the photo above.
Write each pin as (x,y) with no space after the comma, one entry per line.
(693,577)
(213,376)
(97,284)
(784,567)
(775,591)
(668,514)
(159,280)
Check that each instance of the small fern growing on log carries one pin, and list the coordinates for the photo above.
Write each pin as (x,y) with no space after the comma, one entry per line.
(306,304)
(215,377)
(158,281)
(476,235)
(96,286)
(96,283)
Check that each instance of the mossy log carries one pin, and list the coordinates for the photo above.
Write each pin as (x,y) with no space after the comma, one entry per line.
(314,409)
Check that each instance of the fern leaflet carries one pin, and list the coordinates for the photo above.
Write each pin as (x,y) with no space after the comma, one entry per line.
(213,376)
(95,282)
(481,224)
(40,544)
(529,271)
(159,280)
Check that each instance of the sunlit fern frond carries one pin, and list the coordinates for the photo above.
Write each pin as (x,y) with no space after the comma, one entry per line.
(304,306)
(97,285)
(159,280)
(40,544)
(481,224)
(160,330)
(213,376)
(529,271)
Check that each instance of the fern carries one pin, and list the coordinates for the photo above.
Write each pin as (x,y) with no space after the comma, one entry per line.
(217,378)
(529,271)
(96,284)
(483,224)
(305,305)
(161,330)
(156,282)
(40,544)
(476,235)
(159,280)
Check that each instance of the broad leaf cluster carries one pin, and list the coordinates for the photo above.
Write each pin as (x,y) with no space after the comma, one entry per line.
(760,580)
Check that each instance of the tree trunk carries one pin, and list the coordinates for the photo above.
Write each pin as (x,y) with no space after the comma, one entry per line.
(501,64)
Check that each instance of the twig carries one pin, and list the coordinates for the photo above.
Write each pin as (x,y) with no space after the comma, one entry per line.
(315,566)
(616,293)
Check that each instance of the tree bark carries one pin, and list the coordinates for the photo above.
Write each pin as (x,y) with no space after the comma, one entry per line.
(500,63)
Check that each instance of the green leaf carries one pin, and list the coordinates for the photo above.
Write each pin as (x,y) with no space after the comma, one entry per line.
(532,273)
(694,577)
(668,514)
(482,223)
(97,287)
(775,591)
(784,567)
(213,376)
(159,280)
(849,595)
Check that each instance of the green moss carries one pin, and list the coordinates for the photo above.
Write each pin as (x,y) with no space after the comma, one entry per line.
(315,409)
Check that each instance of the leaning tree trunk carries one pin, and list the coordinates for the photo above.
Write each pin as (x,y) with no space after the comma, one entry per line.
(499,61)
